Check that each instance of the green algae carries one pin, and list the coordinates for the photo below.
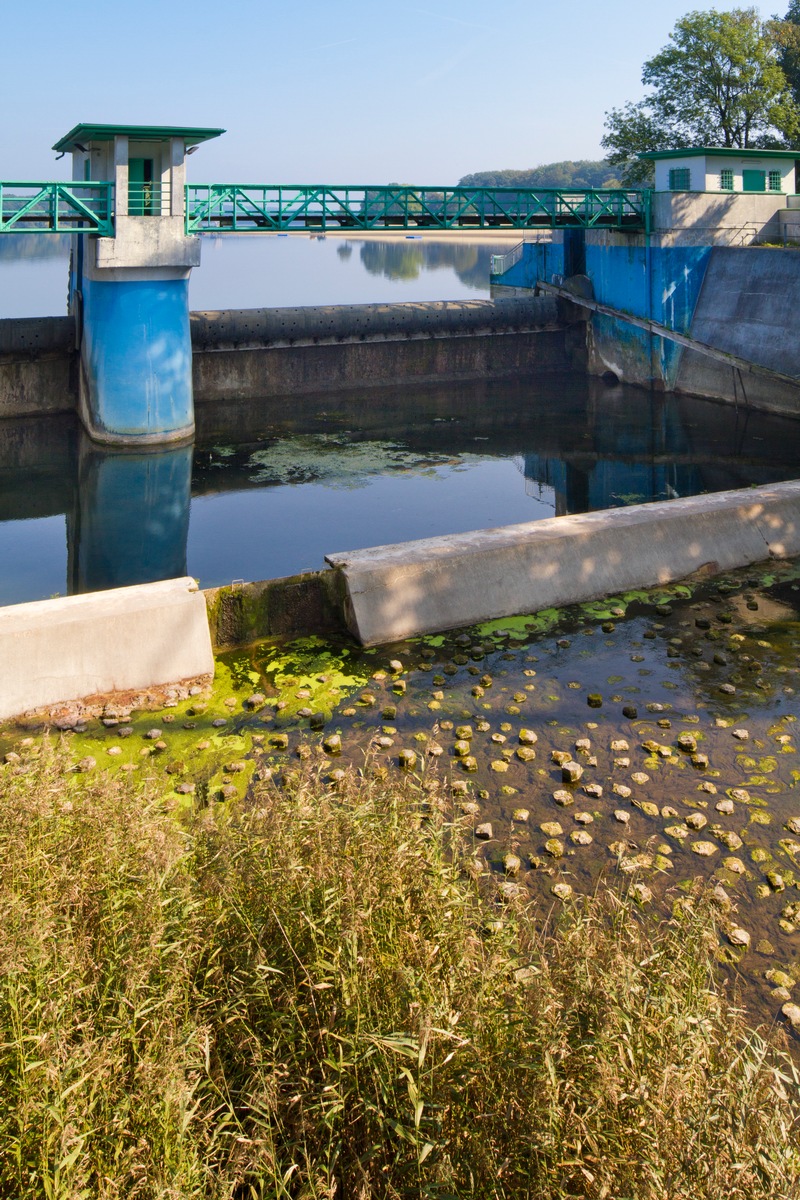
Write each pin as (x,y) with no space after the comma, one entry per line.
(524,625)
(309,665)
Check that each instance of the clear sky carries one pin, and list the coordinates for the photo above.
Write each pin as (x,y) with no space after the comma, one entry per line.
(346,91)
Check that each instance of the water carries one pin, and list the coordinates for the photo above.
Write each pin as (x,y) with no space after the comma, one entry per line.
(270,489)
(265,271)
(266,492)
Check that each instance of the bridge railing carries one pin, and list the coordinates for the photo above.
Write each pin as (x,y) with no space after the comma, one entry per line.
(57,207)
(223,208)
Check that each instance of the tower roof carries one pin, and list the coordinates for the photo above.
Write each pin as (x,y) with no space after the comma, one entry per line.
(83,133)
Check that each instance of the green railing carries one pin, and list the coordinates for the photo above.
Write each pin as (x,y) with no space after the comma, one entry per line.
(221,208)
(144,199)
(79,207)
(57,208)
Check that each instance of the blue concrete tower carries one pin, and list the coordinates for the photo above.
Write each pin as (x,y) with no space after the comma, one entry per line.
(130,293)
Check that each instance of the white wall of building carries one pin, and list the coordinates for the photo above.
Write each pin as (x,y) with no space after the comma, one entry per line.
(706,170)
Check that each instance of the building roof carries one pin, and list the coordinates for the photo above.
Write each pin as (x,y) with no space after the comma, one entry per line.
(719,152)
(83,133)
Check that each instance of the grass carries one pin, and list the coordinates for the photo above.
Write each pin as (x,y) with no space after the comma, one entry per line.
(316,995)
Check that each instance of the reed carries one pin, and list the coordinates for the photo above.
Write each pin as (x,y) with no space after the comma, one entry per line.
(319,995)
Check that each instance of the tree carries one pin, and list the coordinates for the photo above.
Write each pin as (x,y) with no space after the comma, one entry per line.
(719,82)
(787,36)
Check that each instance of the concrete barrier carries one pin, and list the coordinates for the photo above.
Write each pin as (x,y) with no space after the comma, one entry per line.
(441,583)
(54,651)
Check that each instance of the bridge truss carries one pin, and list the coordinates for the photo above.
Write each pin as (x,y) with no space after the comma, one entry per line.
(57,208)
(77,207)
(221,208)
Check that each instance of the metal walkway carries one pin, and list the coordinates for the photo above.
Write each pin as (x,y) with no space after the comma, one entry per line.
(77,207)
(220,208)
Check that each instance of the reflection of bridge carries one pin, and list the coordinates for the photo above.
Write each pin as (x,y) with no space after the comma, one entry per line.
(89,207)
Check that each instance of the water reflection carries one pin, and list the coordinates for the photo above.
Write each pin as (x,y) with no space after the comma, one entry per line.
(409,258)
(130,520)
(271,488)
(261,270)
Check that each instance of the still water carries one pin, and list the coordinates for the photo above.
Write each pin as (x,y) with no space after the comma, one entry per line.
(266,271)
(262,495)
(270,489)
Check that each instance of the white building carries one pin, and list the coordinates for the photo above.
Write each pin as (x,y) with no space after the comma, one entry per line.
(724,170)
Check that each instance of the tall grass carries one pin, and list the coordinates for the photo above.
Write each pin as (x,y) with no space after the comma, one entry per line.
(315,997)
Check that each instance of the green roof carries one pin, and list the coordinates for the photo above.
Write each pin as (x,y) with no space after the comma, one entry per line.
(720,152)
(83,133)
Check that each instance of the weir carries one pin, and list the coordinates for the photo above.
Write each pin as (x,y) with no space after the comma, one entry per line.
(135,225)
(682,296)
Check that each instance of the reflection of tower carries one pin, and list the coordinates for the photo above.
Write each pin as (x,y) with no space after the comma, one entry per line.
(130,522)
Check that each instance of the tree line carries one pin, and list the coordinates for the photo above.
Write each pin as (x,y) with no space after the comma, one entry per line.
(581,173)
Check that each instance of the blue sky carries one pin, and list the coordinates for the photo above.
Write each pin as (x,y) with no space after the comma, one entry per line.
(313,92)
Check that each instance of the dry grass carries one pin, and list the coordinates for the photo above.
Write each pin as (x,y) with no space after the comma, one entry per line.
(313,998)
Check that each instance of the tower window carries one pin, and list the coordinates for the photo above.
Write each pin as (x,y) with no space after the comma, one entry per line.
(680,179)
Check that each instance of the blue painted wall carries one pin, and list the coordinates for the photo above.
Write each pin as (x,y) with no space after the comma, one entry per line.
(662,284)
(539,261)
(136,355)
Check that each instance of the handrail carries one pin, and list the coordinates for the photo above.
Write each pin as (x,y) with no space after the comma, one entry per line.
(500,263)
(220,208)
(146,199)
(57,207)
(87,207)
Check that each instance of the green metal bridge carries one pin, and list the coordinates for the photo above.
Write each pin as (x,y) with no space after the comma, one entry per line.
(78,207)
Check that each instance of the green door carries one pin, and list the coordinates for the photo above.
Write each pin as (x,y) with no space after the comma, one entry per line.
(754,181)
(141,193)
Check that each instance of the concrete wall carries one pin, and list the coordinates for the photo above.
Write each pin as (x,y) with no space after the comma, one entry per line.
(660,282)
(716,219)
(55,651)
(749,306)
(293,351)
(446,582)
(37,366)
(693,279)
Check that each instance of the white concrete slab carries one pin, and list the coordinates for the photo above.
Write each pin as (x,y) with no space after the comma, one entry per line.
(444,582)
(52,651)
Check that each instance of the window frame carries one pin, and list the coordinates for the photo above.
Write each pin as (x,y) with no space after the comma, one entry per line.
(680,179)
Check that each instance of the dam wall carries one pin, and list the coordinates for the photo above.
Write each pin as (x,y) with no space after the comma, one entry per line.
(720,271)
(261,353)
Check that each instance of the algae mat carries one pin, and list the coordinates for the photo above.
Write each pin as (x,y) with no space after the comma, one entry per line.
(649,739)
